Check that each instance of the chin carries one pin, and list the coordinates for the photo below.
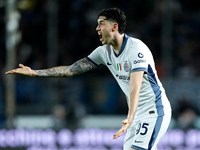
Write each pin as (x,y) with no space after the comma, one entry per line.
(104,43)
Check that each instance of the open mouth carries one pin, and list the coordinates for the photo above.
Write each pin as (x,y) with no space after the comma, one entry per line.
(100,37)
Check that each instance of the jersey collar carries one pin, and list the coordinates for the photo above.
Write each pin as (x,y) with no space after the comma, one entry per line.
(123,45)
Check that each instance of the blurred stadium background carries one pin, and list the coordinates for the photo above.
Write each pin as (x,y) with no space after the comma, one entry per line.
(83,112)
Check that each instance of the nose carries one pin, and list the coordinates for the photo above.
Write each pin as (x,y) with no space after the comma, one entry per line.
(97,28)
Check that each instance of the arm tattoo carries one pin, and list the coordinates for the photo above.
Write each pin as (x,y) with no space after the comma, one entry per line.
(78,67)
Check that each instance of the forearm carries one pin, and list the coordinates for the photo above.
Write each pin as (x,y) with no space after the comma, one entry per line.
(135,86)
(60,71)
(78,67)
(133,105)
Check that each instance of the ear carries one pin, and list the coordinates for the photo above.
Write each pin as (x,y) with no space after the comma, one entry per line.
(115,26)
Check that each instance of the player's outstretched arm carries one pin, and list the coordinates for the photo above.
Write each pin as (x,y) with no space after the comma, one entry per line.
(78,67)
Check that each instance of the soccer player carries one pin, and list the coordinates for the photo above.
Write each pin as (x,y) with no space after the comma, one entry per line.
(132,65)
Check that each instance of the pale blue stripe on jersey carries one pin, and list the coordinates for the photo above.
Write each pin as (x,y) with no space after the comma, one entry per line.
(138,148)
(139,69)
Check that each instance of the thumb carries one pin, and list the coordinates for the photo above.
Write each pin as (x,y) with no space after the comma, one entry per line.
(21,65)
(125,121)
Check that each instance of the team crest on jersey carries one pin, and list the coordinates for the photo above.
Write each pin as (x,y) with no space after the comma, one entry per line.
(119,67)
(126,67)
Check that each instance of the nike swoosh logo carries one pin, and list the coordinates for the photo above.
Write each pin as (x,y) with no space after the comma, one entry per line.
(108,63)
(138,141)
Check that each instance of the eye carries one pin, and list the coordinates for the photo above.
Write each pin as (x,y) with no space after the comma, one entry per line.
(101,23)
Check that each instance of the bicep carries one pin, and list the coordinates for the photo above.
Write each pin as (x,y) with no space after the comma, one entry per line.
(81,66)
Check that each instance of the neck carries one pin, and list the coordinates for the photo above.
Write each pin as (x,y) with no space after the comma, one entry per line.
(117,43)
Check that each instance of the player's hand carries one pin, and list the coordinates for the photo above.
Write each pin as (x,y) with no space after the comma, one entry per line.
(125,126)
(23,70)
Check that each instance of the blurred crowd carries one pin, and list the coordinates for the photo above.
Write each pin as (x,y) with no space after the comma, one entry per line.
(76,24)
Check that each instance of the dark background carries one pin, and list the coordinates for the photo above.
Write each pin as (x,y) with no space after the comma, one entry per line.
(96,92)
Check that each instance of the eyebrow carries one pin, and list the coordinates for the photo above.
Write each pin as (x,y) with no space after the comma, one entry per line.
(102,20)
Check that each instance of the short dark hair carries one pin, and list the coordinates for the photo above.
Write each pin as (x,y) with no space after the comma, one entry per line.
(115,14)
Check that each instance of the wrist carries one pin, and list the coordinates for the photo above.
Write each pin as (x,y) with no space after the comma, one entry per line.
(130,119)
(33,73)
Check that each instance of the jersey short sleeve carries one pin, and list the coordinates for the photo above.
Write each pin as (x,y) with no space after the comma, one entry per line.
(96,56)
(139,58)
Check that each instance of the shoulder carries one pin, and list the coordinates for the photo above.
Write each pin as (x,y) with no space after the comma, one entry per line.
(137,45)
(103,49)
(136,42)
(100,51)
(137,49)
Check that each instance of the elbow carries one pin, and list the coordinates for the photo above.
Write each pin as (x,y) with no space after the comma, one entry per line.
(68,75)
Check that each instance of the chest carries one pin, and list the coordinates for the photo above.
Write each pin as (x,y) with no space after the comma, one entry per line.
(119,65)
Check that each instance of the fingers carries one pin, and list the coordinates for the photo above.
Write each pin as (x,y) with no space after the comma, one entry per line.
(14,70)
(119,133)
(8,72)
(11,71)
(125,126)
